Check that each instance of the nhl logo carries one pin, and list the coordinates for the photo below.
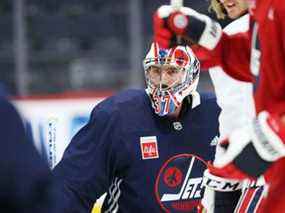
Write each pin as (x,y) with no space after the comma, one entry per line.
(177,126)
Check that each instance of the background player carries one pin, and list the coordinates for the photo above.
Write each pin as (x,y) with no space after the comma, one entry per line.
(237,107)
(258,56)
(26,183)
(146,148)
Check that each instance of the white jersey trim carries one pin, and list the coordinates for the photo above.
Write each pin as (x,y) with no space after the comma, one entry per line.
(114,195)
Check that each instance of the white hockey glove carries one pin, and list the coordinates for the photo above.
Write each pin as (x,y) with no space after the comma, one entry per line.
(191,25)
(251,150)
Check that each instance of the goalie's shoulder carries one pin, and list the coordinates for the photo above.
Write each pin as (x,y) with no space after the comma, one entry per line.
(207,111)
(123,102)
(124,98)
(208,100)
(7,110)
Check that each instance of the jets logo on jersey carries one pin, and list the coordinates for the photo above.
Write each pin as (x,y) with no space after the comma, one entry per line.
(149,148)
(178,185)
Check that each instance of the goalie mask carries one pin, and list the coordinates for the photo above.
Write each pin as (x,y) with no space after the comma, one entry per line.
(171,75)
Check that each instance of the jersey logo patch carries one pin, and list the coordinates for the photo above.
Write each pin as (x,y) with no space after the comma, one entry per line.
(178,186)
(149,147)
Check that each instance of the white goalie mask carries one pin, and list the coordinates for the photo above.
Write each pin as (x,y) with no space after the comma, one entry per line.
(171,75)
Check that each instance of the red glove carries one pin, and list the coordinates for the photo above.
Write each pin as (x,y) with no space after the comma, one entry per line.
(250,151)
(163,35)
(191,25)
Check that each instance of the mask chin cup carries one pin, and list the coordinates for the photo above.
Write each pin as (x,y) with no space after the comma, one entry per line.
(163,104)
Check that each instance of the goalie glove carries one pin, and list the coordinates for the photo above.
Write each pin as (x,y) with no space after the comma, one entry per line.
(251,150)
(186,22)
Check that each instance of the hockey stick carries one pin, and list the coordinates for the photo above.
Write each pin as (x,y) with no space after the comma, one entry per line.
(176,5)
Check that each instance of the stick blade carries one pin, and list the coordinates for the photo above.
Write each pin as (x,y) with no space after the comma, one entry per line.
(176,4)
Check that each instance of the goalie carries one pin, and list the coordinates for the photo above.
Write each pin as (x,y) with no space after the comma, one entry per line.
(146,148)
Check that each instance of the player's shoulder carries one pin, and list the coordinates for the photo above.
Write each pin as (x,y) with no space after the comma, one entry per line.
(10,118)
(206,114)
(6,108)
(125,100)
(207,97)
(239,25)
(4,103)
(129,95)
(208,103)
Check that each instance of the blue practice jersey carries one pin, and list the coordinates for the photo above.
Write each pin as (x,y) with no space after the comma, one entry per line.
(25,180)
(144,162)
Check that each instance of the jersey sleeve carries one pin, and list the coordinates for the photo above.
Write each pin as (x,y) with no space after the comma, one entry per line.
(280,21)
(232,54)
(92,160)
(25,180)
(279,82)
(237,107)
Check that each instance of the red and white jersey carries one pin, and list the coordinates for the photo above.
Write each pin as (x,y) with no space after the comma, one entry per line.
(258,56)
(237,107)
(237,111)
(241,57)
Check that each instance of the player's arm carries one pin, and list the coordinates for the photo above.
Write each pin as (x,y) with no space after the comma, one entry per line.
(231,53)
(89,163)
(279,13)
(214,47)
(250,151)
(25,180)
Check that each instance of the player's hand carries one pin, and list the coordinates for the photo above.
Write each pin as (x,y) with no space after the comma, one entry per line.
(250,151)
(191,25)
(220,184)
(220,193)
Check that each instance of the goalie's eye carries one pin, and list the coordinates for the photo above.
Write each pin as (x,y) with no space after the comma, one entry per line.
(154,70)
(171,70)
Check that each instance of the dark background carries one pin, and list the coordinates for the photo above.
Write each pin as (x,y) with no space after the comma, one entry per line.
(78,45)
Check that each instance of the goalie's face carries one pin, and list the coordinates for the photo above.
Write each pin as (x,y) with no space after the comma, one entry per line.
(164,77)
(171,75)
